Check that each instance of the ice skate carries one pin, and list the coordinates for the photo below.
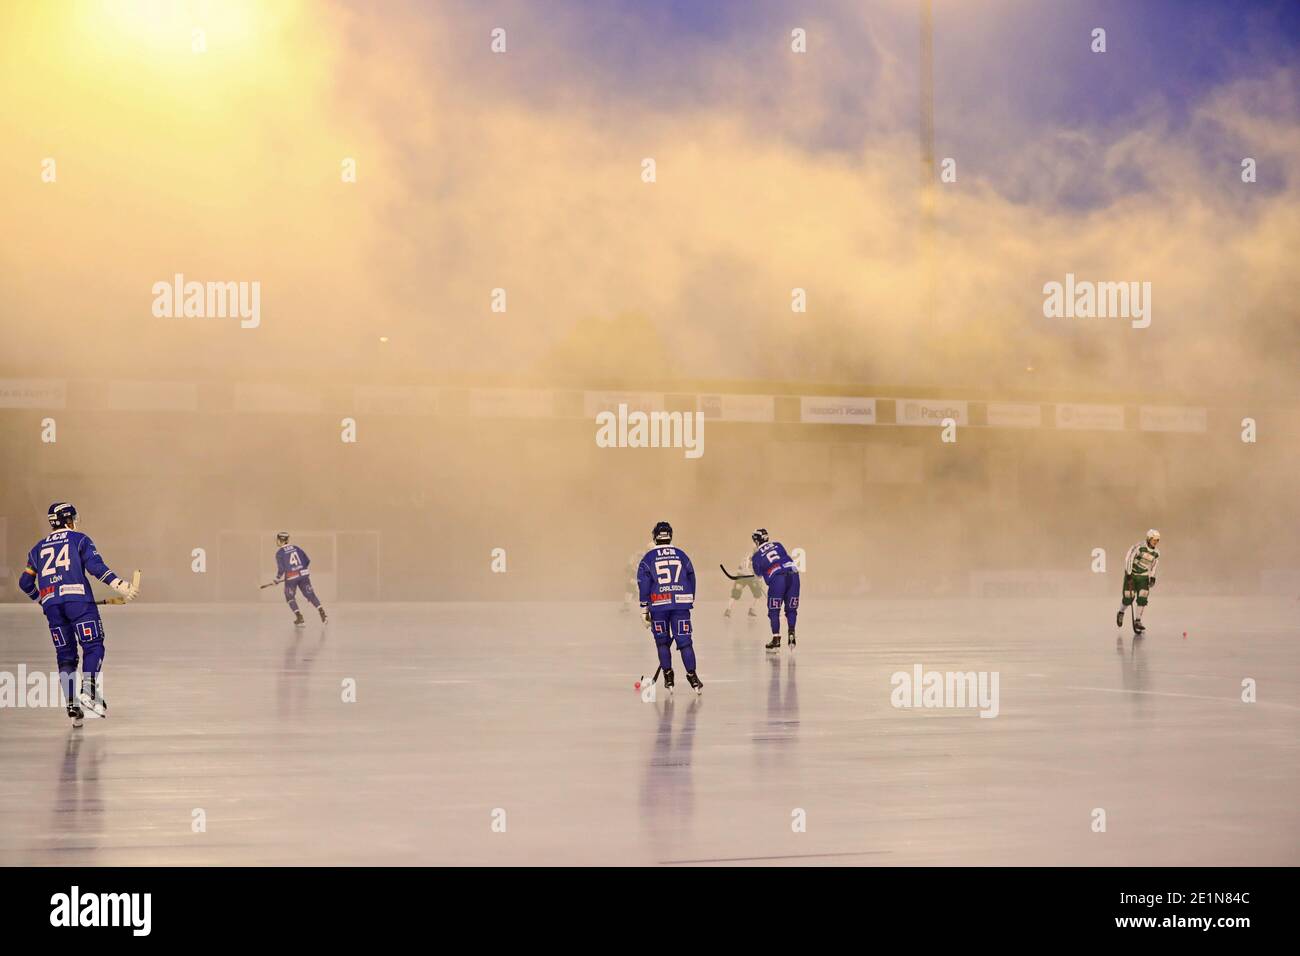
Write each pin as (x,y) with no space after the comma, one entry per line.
(1138,626)
(774,644)
(91,699)
(695,682)
(668,681)
(792,638)
(1119,618)
(753,613)
(76,713)
(323,618)
(298,619)
(727,613)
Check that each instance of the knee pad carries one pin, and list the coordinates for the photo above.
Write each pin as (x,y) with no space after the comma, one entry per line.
(1142,600)
(659,628)
(89,632)
(1128,598)
(682,635)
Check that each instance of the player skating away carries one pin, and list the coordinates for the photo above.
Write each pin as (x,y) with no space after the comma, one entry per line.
(774,565)
(666,583)
(292,566)
(1139,578)
(56,576)
(744,580)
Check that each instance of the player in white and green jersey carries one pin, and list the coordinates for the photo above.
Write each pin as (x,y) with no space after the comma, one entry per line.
(1139,578)
(753,584)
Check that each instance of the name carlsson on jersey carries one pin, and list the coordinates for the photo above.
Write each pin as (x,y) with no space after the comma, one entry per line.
(670,585)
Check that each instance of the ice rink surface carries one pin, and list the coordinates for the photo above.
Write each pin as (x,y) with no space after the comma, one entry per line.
(470,715)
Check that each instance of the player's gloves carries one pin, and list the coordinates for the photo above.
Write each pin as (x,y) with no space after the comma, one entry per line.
(1153,582)
(123,587)
(645,615)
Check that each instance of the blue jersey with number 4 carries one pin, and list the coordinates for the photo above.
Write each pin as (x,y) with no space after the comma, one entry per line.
(666,578)
(291,562)
(58,566)
(772,559)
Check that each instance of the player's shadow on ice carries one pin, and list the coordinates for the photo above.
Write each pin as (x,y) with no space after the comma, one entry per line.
(1134,673)
(294,679)
(776,737)
(667,790)
(77,819)
(782,697)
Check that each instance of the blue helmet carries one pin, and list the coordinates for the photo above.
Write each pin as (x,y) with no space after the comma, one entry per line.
(61,512)
(663,533)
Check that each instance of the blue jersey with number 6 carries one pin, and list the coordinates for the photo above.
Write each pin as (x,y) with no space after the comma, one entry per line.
(666,579)
(772,559)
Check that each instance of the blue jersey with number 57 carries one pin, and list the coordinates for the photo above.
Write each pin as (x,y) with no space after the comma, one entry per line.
(772,559)
(58,566)
(666,578)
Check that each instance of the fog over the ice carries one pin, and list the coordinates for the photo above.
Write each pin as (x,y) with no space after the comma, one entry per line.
(522,171)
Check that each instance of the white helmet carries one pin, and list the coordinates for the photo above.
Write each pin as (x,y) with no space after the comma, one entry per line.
(1153,533)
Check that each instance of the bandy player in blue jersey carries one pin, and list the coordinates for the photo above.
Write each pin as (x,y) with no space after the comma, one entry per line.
(666,580)
(774,565)
(291,567)
(56,576)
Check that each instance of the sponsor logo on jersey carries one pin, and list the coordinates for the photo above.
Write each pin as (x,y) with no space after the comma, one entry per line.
(71,589)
